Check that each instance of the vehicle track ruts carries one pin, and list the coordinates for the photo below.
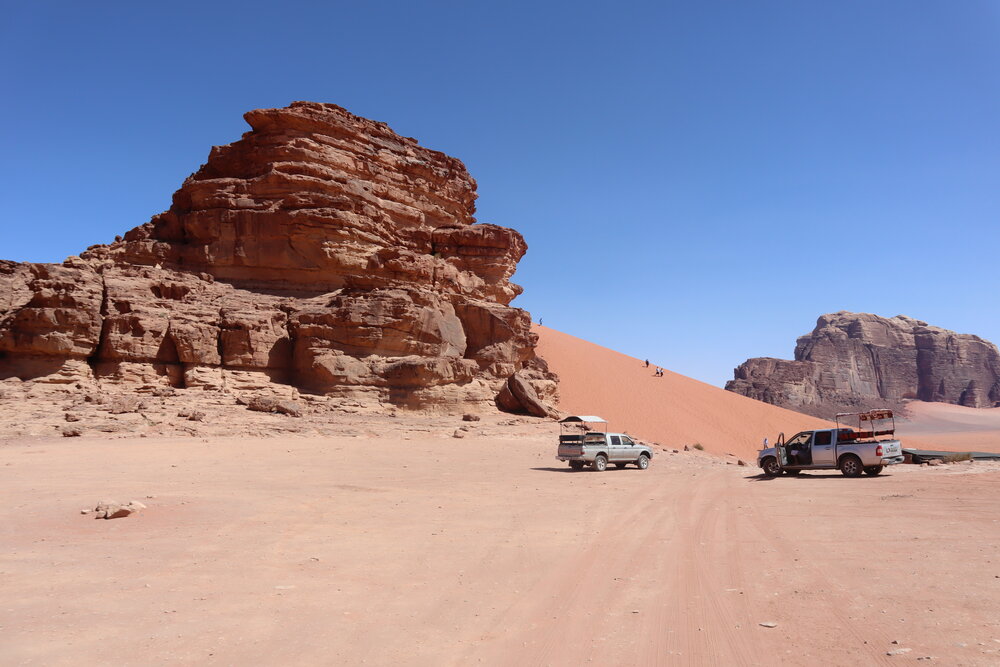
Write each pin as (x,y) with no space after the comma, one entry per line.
(717,557)
(589,587)
(835,603)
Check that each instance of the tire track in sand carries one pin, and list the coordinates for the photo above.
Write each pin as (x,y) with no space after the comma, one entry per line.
(578,609)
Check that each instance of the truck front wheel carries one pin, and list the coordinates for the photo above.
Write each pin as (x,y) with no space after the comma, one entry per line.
(851,466)
(642,462)
(873,470)
(601,463)
(771,467)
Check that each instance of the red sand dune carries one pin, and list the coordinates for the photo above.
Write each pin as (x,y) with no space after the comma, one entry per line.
(672,410)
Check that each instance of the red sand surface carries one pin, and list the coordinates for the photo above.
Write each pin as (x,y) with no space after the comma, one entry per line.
(672,410)
(951,427)
(406,546)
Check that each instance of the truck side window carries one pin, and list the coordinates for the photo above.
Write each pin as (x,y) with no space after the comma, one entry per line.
(799,439)
(626,442)
(823,438)
(616,441)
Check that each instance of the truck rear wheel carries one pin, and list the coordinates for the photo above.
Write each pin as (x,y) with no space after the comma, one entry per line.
(576,465)
(851,466)
(873,470)
(642,462)
(771,467)
(601,463)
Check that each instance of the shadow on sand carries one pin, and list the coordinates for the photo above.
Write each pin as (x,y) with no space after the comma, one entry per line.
(611,468)
(812,475)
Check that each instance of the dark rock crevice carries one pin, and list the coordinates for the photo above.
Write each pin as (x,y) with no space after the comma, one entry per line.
(94,358)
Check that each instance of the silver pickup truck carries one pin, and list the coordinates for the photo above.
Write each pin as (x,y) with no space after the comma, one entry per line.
(582,447)
(867,449)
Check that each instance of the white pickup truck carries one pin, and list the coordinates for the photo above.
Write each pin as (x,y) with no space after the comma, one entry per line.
(867,449)
(581,446)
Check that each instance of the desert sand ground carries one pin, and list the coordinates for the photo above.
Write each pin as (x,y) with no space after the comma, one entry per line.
(413,547)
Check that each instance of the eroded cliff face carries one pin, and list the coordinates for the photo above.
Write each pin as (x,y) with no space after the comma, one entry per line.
(855,361)
(321,251)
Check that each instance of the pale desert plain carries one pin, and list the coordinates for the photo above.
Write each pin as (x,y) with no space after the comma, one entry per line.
(360,536)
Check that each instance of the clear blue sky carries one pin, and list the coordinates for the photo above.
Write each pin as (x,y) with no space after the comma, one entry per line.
(697,181)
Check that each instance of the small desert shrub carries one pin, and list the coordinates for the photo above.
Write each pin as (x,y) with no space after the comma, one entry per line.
(699,447)
(955,458)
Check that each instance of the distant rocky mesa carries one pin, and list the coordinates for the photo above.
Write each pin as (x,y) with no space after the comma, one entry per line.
(853,361)
(321,251)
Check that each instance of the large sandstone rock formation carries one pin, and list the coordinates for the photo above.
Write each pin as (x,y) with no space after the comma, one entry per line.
(321,250)
(852,361)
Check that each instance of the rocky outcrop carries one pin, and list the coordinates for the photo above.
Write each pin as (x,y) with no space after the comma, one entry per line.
(852,361)
(517,395)
(321,250)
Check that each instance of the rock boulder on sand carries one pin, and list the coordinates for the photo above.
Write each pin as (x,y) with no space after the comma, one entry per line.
(519,396)
(271,404)
(854,361)
(110,509)
(322,250)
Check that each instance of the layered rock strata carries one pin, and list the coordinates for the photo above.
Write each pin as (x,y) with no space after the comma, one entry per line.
(321,250)
(853,361)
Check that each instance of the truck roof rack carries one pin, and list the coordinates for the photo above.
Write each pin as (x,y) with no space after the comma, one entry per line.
(870,415)
(876,415)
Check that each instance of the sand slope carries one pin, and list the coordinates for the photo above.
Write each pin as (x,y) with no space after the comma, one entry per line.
(672,410)
(951,427)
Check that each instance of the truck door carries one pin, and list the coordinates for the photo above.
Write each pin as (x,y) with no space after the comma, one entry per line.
(615,450)
(780,452)
(823,449)
(628,449)
(794,452)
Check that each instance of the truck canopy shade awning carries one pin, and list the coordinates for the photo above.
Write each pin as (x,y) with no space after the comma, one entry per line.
(583,418)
